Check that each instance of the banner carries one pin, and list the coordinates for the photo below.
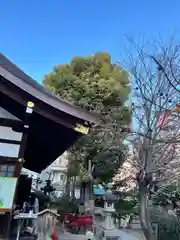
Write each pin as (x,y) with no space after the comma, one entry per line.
(98,190)
(7,191)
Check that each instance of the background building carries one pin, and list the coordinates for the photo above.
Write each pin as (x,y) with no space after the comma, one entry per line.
(56,172)
(33,175)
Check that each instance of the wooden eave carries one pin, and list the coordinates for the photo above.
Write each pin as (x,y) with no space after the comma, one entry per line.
(53,122)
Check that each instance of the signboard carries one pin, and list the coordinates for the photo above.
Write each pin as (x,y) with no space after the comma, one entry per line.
(81,129)
(7,190)
(98,190)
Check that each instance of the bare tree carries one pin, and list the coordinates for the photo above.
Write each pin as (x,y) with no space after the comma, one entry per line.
(155,138)
(171,69)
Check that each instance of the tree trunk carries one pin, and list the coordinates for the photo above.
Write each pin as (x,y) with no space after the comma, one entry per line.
(144,214)
(68,186)
(90,187)
(73,187)
(82,192)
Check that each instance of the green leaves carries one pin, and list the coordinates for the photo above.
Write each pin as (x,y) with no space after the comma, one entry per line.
(127,204)
(95,84)
(64,205)
(91,79)
(169,194)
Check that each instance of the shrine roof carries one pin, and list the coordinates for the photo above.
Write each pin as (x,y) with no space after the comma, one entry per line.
(54,122)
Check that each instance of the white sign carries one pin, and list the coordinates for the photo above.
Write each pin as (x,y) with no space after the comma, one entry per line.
(7,190)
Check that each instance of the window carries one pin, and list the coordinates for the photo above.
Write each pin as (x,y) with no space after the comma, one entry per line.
(7,170)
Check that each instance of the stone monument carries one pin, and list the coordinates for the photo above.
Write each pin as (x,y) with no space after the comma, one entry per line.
(108,230)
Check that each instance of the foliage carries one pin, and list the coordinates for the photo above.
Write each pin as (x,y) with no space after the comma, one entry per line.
(126,207)
(90,82)
(127,204)
(95,84)
(64,204)
(167,224)
(168,194)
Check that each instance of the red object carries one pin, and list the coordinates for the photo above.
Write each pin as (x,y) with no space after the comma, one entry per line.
(178,107)
(85,217)
(78,221)
(54,234)
(69,217)
(86,222)
(162,119)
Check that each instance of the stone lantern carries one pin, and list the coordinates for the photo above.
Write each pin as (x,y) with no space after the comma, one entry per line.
(108,230)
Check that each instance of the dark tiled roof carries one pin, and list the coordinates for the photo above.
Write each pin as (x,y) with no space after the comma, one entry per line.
(16,76)
(53,122)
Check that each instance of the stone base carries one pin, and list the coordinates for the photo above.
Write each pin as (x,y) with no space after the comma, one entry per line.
(114,233)
(135,224)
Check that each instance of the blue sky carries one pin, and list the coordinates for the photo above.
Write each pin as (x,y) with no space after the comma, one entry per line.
(36,35)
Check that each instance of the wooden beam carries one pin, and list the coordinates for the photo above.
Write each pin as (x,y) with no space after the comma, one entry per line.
(8,141)
(10,123)
(8,160)
(49,112)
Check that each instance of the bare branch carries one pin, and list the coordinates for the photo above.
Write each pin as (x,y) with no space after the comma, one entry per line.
(155,129)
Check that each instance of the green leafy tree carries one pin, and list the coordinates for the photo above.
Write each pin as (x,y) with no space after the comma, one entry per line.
(164,199)
(127,205)
(95,84)
(167,195)
(166,225)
